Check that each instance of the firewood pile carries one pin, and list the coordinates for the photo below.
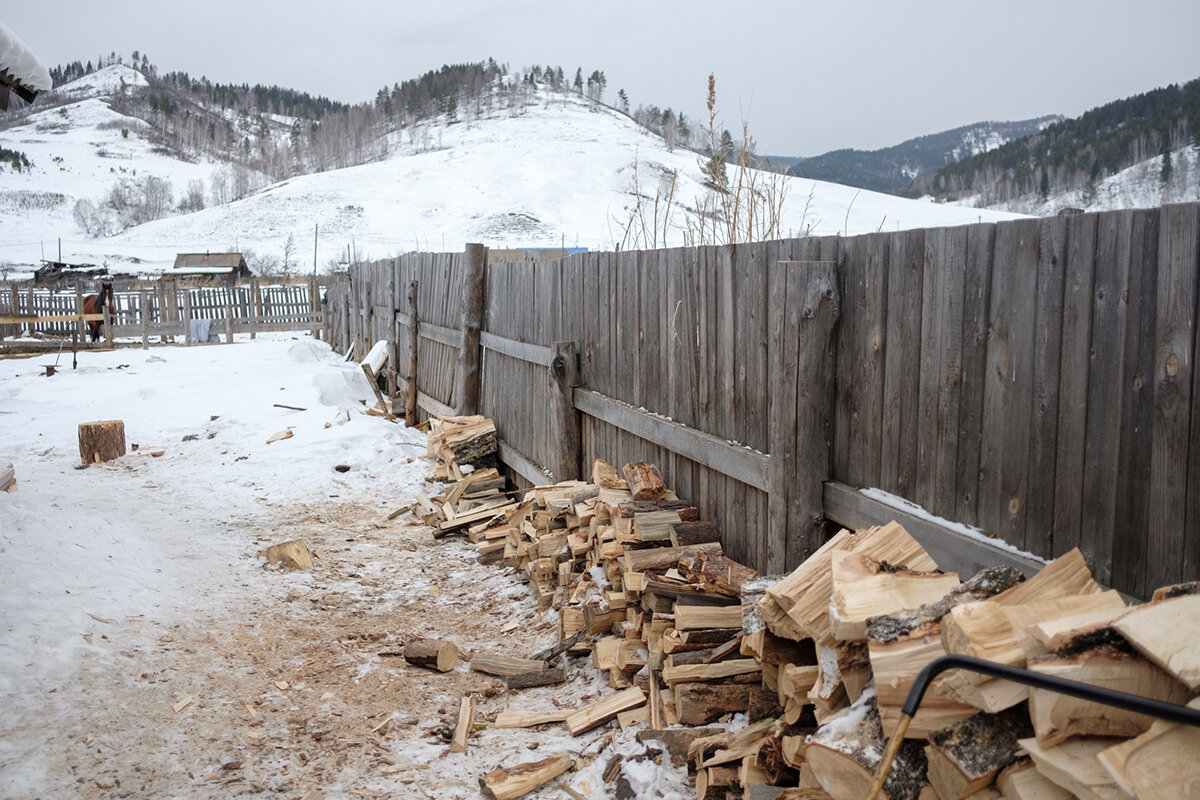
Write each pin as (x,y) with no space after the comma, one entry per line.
(821,661)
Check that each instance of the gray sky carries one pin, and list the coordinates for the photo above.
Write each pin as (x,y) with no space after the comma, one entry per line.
(808,77)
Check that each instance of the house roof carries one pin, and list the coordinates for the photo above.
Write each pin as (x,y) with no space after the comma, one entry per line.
(209,262)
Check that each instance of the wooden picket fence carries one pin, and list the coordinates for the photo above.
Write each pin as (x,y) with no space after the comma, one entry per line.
(165,311)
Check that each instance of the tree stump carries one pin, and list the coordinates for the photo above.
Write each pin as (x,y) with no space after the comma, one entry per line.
(101,441)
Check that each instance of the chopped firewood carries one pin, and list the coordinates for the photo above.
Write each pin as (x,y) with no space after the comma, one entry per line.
(602,711)
(544,677)
(1177,590)
(1074,766)
(688,673)
(466,719)
(1055,634)
(280,436)
(1022,781)
(729,748)
(634,716)
(1168,633)
(645,481)
(702,703)
(1161,763)
(1065,576)
(676,740)
(657,558)
(715,572)
(688,618)
(432,654)
(504,666)
(294,553)
(1005,634)
(101,441)
(771,649)
(699,532)
(528,719)
(965,756)
(845,752)
(463,440)
(605,474)
(804,596)
(1057,716)
(510,782)
(864,587)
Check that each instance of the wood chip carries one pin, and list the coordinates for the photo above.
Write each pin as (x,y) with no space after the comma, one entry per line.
(182,704)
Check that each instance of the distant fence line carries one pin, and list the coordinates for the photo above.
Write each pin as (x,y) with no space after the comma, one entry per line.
(166,309)
(1035,379)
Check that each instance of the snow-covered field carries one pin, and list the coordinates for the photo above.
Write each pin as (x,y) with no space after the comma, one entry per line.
(129,587)
(559,172)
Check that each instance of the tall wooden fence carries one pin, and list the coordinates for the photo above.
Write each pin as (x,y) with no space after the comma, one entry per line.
(1035,379)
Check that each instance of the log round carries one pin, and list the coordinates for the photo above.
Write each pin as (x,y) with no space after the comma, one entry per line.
(432,654)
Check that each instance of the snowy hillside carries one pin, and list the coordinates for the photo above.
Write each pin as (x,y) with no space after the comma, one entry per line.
(1139,186)
(560,171)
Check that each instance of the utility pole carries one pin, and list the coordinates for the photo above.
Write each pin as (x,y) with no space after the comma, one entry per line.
(316,228)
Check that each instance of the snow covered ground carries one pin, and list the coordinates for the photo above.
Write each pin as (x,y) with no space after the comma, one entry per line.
(556,173)
(129,587)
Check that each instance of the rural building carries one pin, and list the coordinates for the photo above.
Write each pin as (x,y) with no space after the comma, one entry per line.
(209,268)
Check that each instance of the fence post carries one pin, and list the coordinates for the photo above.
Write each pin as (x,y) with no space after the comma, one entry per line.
(410,401)
(144,310)
(256,301)
(469,355)
(109,318)
(229,322)
(80,326)
(564,420)
(804,307)
(187,318)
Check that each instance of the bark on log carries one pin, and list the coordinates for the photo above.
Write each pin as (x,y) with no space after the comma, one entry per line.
(545,677)
(702,703)
(715,572)
(504,666)
(432,654)
(645,481)
(101,441)
(965,756)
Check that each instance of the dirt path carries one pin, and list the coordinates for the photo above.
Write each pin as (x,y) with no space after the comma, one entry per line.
(288,688)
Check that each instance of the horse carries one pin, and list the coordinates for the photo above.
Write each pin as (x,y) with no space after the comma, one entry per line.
(96,304)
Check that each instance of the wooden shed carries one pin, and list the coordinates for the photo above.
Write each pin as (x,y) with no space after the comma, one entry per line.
(209,268)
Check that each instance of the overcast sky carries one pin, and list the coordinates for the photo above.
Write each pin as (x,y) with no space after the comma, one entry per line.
(808,77)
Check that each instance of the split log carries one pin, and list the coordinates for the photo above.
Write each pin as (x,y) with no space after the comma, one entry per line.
(1057,717)
(1168,633)
(676,740)
(1022,781)
(712,783)
(605,475)
(602,711)
(690,618)
(715,572)
(804,595)
(8,476)
(544,677)
(466,720)
(510,782)
(845,752)
(101,441)
(661,558)
(688,673)
(645,481)
(504,666)
(1161,763)
(702,703)
(464,440)
(528,719)
(1064,576)
(863,587)
(699,532)
(771,649)
(964,757)
(294,553)
(1074,766)
(432,654)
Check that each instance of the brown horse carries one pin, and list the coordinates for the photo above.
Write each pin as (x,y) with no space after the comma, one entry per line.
(96,304)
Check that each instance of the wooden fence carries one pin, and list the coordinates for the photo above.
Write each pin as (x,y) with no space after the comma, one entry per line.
(1035,379)
(166,310)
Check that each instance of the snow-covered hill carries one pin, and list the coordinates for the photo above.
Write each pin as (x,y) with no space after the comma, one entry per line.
(560,171)
(1138,186)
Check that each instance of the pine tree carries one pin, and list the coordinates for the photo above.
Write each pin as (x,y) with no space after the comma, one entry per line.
(624,99)
(1164,177)
(1044,189)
